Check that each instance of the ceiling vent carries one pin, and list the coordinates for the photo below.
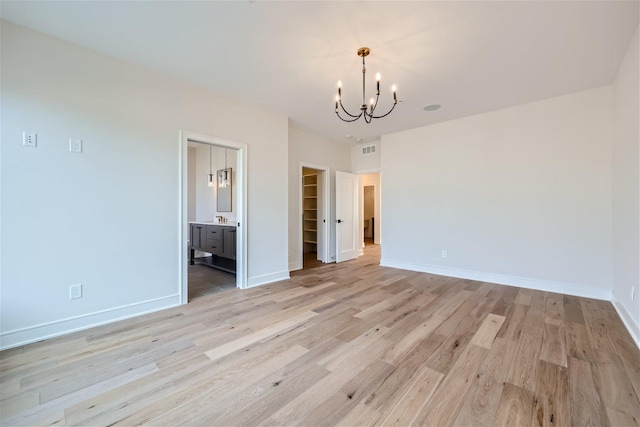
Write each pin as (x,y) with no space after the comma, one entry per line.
(369,149)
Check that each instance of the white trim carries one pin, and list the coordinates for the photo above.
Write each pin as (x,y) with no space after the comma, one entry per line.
(326,195)
(585,291)
(268,278)
(634,330)
(241,203)
(47,330)
(296,265)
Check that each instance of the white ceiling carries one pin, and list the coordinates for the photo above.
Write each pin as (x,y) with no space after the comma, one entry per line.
(471,57)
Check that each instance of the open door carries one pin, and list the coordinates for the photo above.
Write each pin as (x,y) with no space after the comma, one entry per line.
(346,216)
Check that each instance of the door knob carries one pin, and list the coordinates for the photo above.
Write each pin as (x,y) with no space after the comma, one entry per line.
(339,221)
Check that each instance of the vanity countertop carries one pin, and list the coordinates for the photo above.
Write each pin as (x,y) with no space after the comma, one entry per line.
(228,224)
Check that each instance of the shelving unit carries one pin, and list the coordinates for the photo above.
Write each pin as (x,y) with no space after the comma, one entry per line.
(310,210)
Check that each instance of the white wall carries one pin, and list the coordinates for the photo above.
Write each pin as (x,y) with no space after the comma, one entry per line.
(108,218)
(626,189)
(520,196)
(365,163)
(309,148)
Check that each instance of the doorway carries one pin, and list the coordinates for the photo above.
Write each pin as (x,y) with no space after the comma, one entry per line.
(370,202)
(212,215)
(368,217)
(314,218)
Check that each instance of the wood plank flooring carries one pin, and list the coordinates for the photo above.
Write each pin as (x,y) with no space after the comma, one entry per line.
(205,280)
(339,344)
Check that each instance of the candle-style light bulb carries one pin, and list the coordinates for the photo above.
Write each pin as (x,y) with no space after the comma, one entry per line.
(378,81)
(394,89)
(339,88)
(371,101)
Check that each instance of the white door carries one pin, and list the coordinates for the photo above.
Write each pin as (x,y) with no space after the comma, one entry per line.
(346,216)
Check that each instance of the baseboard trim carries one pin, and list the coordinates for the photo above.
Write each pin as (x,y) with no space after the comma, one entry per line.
(43,331)
(267,278)
(504,279)
(634,329)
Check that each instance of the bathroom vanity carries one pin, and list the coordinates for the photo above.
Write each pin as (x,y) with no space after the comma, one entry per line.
(219,240)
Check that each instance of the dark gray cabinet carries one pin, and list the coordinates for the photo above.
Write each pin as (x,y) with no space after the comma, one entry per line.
(198,235)
(229,242)
(218,240)
(214,243)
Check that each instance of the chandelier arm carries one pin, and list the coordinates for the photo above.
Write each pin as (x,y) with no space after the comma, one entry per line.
(388,112)
(346,120)
(375,104)
(346,112)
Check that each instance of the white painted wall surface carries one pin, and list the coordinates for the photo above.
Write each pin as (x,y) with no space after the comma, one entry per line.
(108,218)
(305,147)
(365,163)
(626,189)
(520,196)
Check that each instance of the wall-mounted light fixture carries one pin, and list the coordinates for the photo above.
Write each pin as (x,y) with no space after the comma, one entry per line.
(211,176)
(224,182)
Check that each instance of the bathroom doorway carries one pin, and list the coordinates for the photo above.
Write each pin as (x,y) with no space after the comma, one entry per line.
(212,215)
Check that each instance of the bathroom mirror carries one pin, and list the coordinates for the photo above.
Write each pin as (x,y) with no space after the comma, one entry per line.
(224,190)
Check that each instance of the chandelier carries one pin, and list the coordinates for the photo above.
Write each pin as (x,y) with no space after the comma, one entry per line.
(365,111)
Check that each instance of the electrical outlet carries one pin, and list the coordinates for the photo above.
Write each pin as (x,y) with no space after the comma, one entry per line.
(75,145)
(444,253)
(30,139)
(75,291)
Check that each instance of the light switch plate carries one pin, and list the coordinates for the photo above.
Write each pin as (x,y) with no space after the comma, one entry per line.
(75,145)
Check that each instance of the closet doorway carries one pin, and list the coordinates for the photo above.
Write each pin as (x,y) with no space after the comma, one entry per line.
(314,224)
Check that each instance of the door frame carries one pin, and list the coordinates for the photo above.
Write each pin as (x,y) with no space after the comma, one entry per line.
(326,211)
(241,203)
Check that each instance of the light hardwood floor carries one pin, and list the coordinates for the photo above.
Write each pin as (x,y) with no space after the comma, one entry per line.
(345,344)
